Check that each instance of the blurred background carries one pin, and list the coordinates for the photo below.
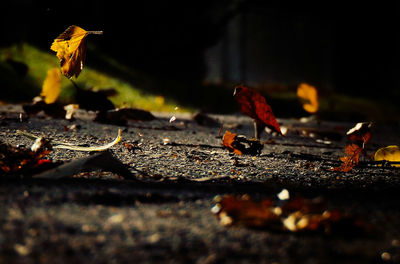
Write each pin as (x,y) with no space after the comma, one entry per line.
(162,54)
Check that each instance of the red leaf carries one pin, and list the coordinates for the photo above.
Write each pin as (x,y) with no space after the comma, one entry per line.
(254,105)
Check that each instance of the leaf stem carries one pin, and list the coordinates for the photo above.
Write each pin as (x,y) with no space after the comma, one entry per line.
(100,32)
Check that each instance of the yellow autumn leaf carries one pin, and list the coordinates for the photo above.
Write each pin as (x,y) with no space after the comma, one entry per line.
(389,153)
(51,86)
(310,94)
(71,50)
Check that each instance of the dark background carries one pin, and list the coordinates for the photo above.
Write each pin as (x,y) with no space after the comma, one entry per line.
(347,48)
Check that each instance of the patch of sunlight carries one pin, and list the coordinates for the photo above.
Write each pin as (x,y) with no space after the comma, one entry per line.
(39,62)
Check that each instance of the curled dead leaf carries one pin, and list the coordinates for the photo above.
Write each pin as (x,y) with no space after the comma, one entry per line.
(228,139)
(240,144)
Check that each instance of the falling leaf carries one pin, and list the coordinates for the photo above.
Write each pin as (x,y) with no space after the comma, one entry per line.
(310,94)
(254,105)
(351,159)
(51,86)
(389,153)
(240,144)
(71,50)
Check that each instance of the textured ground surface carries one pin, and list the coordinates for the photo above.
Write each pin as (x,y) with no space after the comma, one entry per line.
(98,217)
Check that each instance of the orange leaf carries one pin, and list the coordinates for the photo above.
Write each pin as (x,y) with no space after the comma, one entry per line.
(353,152)
(310,94)
(241,145)
(254,105)
(51,86)
(71,50)
(228,139)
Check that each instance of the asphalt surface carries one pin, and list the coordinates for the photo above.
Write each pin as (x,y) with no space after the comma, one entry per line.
(165,215)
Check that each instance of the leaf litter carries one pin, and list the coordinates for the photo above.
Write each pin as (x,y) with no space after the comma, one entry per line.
(30,162)
(292,214)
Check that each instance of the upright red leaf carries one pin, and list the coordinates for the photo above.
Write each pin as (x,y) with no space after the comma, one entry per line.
(254,105)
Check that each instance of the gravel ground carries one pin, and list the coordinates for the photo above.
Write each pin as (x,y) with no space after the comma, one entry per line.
(99,217)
